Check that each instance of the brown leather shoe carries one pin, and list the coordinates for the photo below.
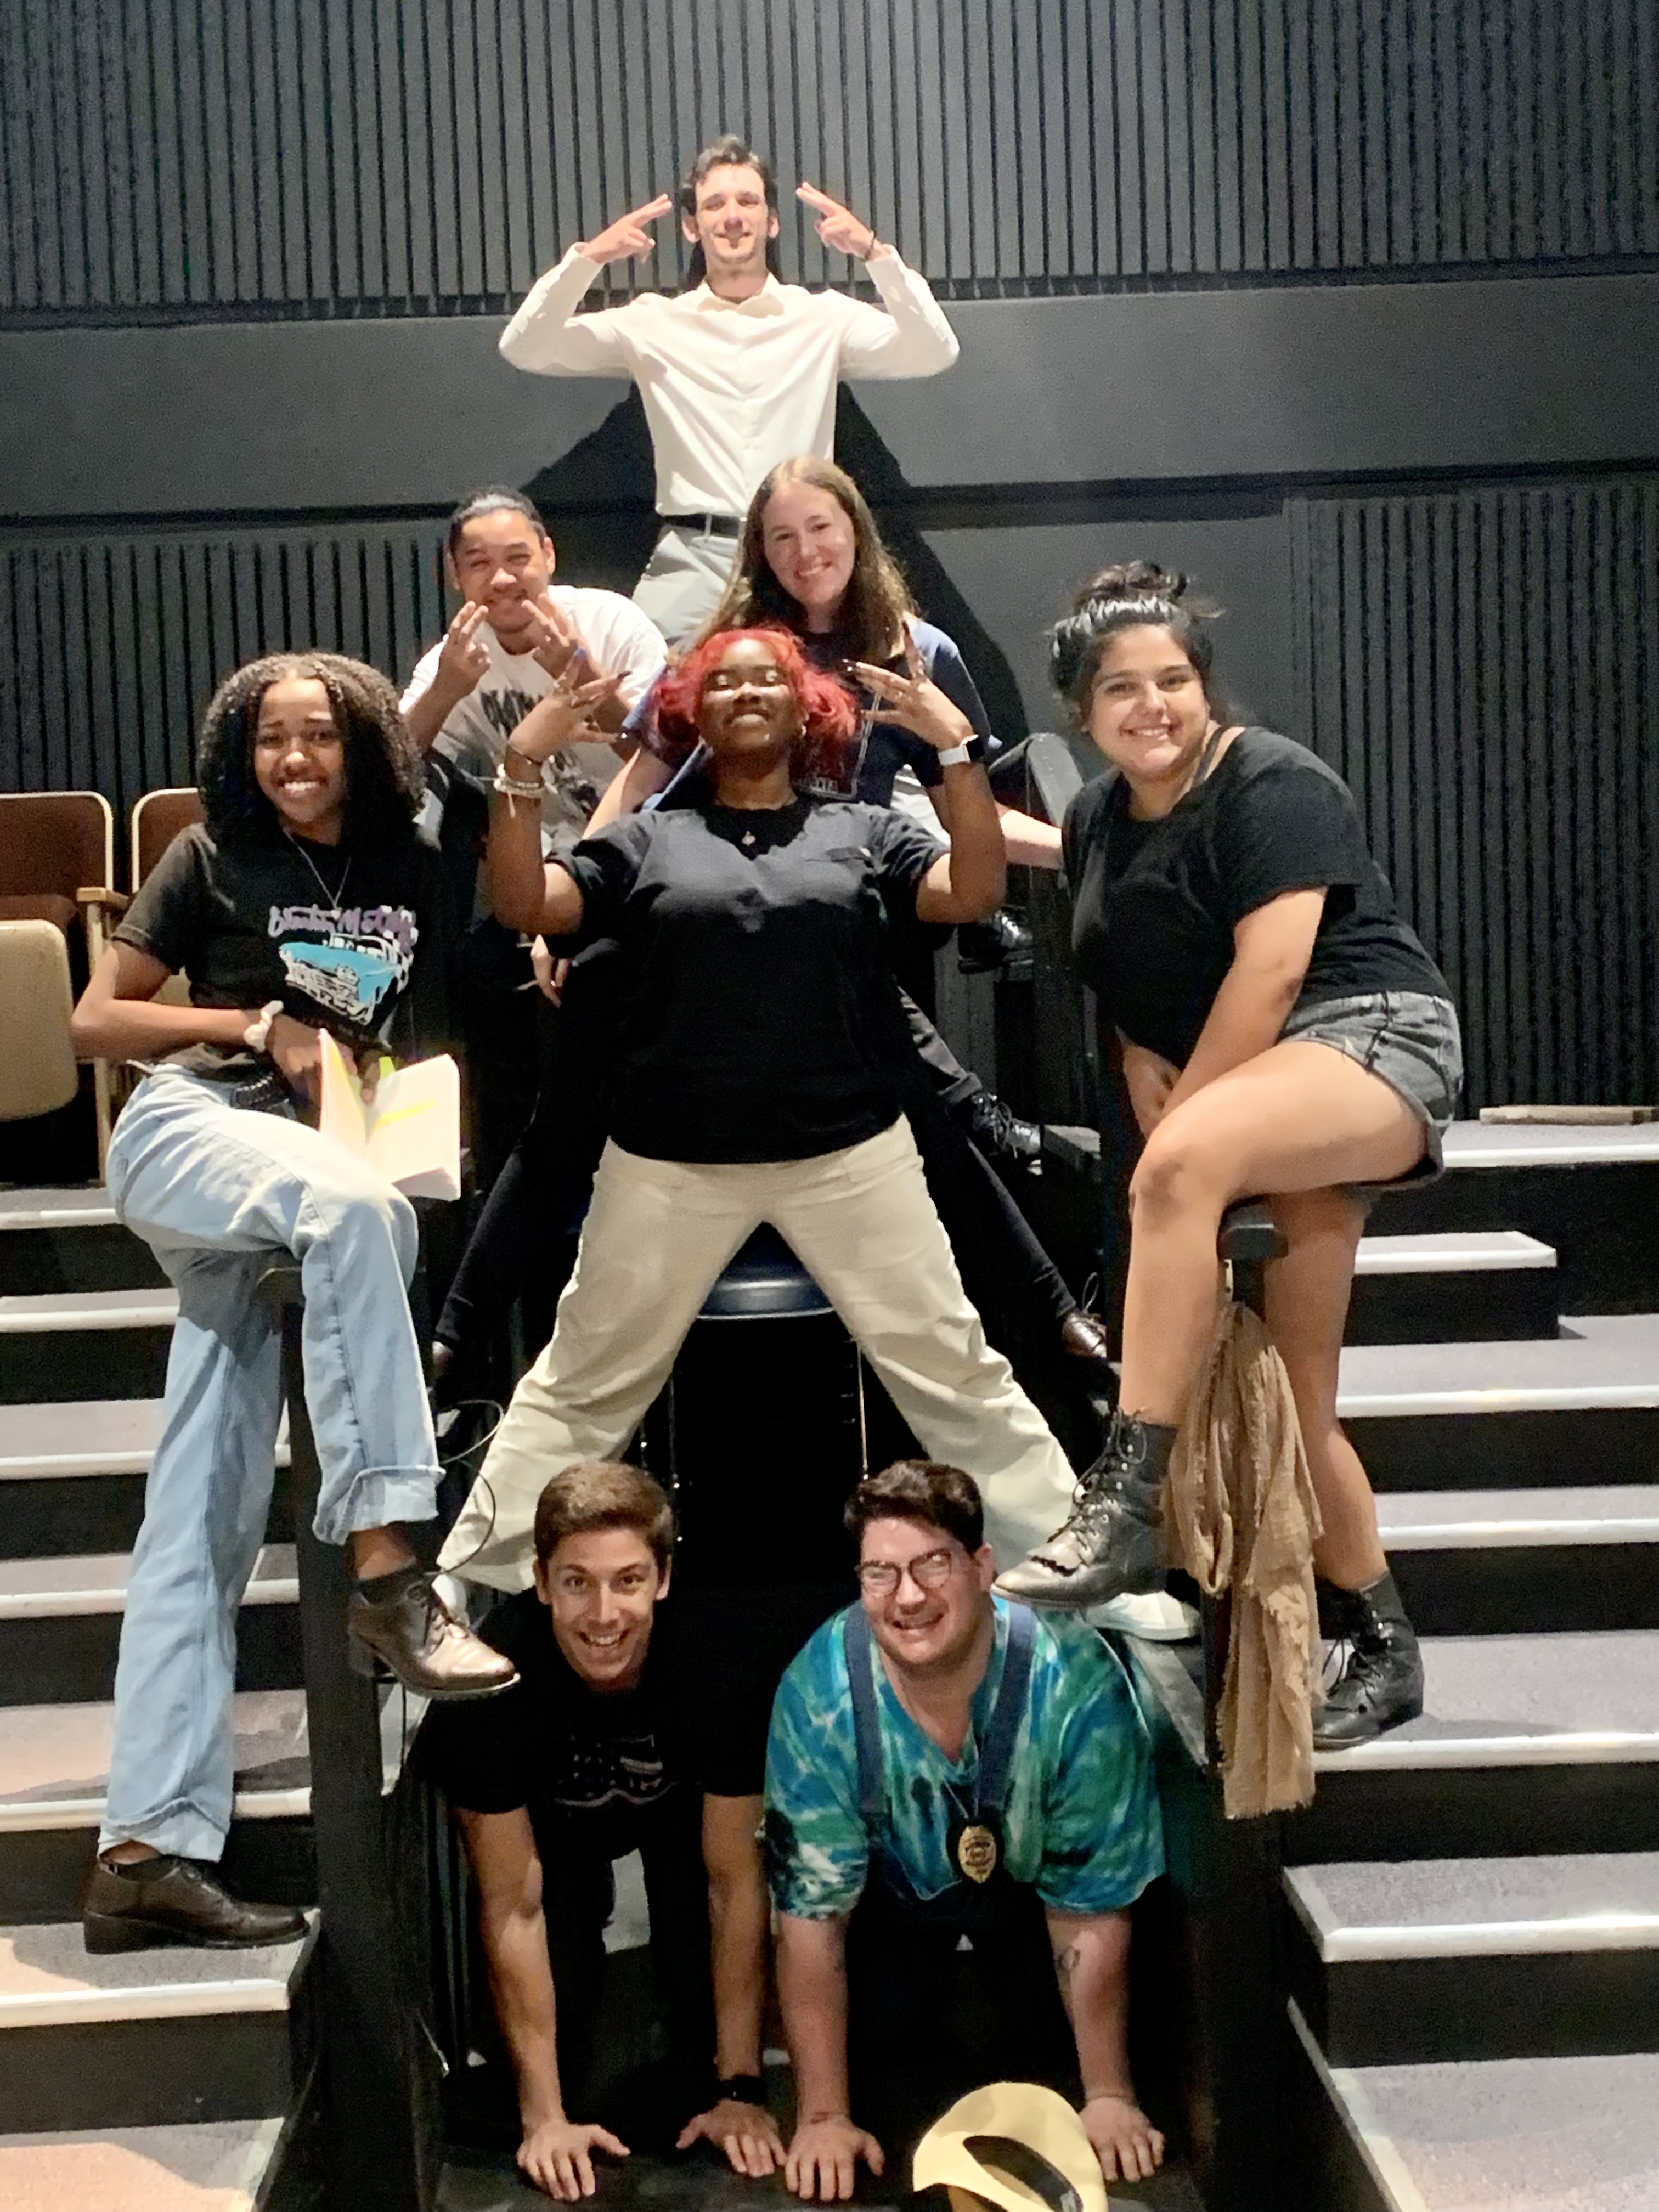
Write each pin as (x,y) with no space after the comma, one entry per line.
(414,1635)
(1083,1337)
(170,1899)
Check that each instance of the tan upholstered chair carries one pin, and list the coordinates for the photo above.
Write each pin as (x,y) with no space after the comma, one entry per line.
(38,1074)
(57,866)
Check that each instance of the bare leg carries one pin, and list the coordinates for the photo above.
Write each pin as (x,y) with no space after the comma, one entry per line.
(1307,1305)
(1299,1117)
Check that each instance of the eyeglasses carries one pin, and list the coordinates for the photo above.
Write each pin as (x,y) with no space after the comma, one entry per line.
(929,1571)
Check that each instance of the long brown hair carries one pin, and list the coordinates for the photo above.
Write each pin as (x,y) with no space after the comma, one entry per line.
(877,597)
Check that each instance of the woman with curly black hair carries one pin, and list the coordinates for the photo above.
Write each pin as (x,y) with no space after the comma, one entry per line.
(307,900)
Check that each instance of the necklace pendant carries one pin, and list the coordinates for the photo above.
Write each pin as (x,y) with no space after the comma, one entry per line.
(977,1852)
(749,838)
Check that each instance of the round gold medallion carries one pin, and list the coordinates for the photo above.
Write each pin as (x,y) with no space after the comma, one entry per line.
(976,1853)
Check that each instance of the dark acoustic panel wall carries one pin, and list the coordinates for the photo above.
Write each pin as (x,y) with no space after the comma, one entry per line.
(200,157)
(110,646)
(1483,667)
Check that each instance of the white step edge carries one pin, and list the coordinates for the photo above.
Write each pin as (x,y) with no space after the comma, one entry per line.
(1466,1527)
(1340,1942)
(27,1816)
(57,1312)
(74,1417)
(1360,2123)
(196,1998)
(1563,1747)
(57,1209)
(1549,1144)
(401,1714)
(223,2162)
(1456,1252)
(270,1585)
(1609,1931)
(1595,1361)
(1544,1398)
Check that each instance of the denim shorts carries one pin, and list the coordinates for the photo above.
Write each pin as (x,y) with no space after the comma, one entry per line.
(1408,1038)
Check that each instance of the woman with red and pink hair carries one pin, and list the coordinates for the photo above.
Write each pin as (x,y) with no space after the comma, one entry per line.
(754,1079)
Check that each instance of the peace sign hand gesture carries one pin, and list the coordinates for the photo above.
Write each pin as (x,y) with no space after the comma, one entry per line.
(557,641)
(564,714)
(464,656)
(841,230)
(914,703)
(627,238)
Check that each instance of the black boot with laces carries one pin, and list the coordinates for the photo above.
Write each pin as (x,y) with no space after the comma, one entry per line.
(1379,1680)
(1112,1545)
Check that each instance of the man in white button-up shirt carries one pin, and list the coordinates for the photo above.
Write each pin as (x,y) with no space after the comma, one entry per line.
(736,373)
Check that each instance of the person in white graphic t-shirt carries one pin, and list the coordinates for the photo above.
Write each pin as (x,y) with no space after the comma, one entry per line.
(738,372)
(517,638)
(514,642)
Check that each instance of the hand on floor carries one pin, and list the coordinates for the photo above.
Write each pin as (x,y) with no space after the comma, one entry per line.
(824,2157)
(558,2156)
(1127,2145)
(746,2133)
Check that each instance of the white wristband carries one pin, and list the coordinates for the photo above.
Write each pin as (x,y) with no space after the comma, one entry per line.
(256,1035)
(509,786)
(957,756)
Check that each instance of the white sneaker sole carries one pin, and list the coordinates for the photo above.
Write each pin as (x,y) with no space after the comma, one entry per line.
(1156,1618)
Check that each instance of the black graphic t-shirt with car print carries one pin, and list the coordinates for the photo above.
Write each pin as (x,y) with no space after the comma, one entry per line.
(245,919)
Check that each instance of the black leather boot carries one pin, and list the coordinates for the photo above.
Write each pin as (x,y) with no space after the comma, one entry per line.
(1380,1680)
(1113,1544)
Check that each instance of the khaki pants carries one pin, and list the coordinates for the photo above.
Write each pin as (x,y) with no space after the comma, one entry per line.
(657,1237)
(684,580)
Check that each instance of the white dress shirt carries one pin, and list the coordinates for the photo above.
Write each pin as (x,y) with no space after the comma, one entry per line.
(732,388)
(618,640)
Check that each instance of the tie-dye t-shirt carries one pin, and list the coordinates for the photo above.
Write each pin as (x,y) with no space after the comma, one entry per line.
(1081,1818)
(337,935)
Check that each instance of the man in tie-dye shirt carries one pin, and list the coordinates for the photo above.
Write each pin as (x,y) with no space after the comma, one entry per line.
(943,1765)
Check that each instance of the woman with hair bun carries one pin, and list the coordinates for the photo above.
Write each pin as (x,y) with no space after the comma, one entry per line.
(1284,1034)
(307,901)
(754,1079)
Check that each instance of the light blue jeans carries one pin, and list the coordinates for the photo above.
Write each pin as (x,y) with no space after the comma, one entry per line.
(221,1193)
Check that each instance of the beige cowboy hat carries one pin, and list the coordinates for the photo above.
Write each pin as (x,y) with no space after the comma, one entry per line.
(1015,2145)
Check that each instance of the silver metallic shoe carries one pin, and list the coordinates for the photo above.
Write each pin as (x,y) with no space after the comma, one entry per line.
(1112,1545)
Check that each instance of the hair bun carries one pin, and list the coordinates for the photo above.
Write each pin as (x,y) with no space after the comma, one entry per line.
(1132,580)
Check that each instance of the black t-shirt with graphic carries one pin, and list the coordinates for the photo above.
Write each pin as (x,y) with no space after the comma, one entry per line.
(759,1015)
(1154,904)
(254,917)
(592,1766)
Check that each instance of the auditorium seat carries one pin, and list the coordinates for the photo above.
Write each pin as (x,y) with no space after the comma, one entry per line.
(57,866)
(38,1072)
(157,818)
